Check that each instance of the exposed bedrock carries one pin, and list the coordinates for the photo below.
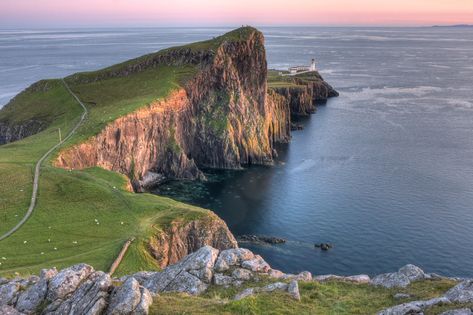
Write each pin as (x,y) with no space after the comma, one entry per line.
(10,132)
(303,97)
(222,118)
(182,238)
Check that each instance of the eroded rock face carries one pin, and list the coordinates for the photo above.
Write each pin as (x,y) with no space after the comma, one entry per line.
(191,275)
(180,239)
(462,311)
(32,297)
(222,118)
(67,281)
(10,132)
(130,298)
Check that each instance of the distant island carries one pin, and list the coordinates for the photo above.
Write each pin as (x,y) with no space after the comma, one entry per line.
(456,25)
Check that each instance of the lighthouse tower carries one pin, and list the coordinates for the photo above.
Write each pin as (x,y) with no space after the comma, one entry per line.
(312,66)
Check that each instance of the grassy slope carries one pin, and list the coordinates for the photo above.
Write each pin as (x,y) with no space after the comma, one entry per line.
(277,81)
(63,231)
(332,297)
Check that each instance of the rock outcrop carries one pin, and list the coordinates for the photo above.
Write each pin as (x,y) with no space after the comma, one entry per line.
(302,95)
(10,131)
(182,238)
(75,290)
(400,279)
(221,118)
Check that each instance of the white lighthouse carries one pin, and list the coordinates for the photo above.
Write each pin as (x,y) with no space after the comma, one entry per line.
(312,66)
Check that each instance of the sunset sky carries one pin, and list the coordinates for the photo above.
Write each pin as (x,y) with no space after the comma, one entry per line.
(28,13)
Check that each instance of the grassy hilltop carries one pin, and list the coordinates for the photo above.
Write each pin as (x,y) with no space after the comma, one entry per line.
(87,215)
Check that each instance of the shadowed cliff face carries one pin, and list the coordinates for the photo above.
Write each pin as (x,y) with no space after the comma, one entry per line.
(180,239)
(10,132)
(221,118)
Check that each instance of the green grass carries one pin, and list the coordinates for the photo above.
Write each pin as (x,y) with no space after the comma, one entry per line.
(332,297)
(63,229)
(298,81)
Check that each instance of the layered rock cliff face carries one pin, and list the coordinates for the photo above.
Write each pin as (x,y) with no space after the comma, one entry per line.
(10,132)
(182,238)
(303,95)
(221,118)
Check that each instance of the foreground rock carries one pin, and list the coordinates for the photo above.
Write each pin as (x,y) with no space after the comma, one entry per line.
(400,279)
(461,293)
(75,290)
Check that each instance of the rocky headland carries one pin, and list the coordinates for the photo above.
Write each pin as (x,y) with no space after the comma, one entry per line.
(230,112)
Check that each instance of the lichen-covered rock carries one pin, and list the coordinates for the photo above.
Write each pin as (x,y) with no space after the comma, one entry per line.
(9,293)
(415,307)
(401,296)
(232,257)
(354,279)
(461,293)
(391,280)
(412,272)
(400,279)
(462,311)
(242,274)
(191,275)
(67,281)
(90,297)
(9,310)
(257,264)
(245,293)
(221,279)
(281,286)
(31,298)
(276,274)
(293,290)
(130,299)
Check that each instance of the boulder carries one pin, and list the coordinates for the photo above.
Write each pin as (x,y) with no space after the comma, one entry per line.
(276,274)
(221,279)
(401,296)
(293,290)
(232,257)
(257,264)
(414,307)
(31,298)
(462,311)
(191,275)
(9,293)
(391,280)
(67,281)
(280,286)
(461,293)
(242,274)
(245,293)
(130,299)
(400,279)
(412,272)
(91,297)
(354,279)
(9,310)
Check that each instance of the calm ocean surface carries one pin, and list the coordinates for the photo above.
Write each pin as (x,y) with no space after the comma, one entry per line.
(384,172)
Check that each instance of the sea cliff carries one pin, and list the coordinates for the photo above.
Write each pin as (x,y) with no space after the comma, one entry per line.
(223,116)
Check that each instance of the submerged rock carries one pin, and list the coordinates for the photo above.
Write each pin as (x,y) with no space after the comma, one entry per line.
(260,239)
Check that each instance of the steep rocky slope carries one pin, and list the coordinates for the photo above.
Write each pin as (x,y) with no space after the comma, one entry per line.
(221,117)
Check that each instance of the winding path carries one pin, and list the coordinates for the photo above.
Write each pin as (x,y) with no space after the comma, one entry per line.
(34,195)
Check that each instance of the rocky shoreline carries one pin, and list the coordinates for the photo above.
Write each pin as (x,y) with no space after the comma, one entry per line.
(82,290)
